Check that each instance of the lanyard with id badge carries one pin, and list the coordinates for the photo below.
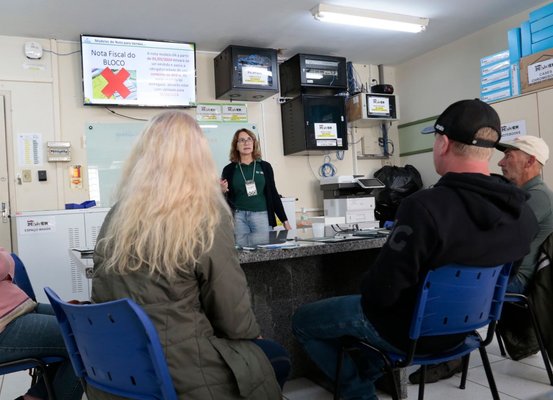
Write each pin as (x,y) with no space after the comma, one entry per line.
(251,190)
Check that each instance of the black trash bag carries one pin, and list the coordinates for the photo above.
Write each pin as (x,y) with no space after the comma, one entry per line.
(400,182)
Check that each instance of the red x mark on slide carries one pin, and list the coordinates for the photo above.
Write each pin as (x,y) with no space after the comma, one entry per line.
(116,82)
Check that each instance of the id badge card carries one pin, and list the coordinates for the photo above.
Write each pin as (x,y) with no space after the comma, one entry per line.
(251,190)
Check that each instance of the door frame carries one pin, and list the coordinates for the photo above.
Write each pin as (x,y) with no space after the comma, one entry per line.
(6,111)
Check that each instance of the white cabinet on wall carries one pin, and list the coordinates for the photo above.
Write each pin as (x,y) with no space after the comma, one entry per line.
(536,110)
(43,242)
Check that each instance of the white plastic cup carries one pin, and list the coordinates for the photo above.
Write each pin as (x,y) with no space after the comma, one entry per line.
(318,229)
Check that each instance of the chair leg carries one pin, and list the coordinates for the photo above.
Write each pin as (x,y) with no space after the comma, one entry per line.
(339,363)
(539,337)
(489,374)
(500,343)
(464,375)
(395,384)
(47,383)
(421,382)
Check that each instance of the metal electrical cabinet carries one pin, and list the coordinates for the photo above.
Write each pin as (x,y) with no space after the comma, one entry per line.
(312,74)
(43,242)
(314,124)
(246,73)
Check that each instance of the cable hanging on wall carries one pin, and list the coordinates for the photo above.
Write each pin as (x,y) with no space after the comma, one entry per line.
(384,142)
(327,168)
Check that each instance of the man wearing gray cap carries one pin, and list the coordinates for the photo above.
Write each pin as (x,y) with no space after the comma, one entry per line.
(522,164)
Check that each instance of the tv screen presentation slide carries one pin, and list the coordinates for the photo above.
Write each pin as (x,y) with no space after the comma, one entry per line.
(134,72)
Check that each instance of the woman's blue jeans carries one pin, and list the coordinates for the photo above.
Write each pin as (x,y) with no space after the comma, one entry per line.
(246,222)
(37,334)
(319,326)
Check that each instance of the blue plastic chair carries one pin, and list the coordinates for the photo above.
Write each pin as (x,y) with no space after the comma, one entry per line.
(115,348)
(452,299)
(36,365)
(21,278)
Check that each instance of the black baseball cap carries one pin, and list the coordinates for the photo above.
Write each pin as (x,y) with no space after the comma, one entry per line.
(461,120)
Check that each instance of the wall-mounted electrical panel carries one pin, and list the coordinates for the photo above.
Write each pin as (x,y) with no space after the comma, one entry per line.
(246,73)
(314,124)
(370,109)
(312,74)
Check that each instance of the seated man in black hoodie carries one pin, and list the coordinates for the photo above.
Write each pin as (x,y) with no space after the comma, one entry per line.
(469,217)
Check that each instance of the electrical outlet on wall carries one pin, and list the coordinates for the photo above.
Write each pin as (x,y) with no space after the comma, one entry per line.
(26,175)
(387,161)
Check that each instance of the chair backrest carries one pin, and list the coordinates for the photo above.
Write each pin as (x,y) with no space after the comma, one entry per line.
(114,347)
(458,298)
(21,279)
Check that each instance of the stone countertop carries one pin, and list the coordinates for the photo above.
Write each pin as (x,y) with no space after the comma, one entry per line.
(301,248)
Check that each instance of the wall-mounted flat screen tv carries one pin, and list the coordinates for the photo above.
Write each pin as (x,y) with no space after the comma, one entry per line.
(136,72)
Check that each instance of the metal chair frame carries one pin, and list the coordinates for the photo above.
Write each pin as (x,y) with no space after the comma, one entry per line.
(526,303)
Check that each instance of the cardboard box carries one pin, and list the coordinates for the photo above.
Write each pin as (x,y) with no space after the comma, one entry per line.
(536,71)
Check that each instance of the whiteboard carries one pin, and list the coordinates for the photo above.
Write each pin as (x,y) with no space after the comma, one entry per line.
(108,145)
(411,141)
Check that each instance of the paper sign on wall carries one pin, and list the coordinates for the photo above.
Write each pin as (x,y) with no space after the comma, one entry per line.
(208,112)
(30,149)
(235,113)
(221,112)
(252,75)
(325,131)
(511,130)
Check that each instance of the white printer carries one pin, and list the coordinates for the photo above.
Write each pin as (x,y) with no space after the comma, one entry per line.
(350,197)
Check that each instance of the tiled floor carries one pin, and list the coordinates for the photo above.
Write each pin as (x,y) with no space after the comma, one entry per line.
(524,380)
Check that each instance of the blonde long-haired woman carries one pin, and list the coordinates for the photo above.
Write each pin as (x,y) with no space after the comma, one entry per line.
(249,186)
(168,244)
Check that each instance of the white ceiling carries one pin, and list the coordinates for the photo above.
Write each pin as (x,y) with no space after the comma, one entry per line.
(280,24)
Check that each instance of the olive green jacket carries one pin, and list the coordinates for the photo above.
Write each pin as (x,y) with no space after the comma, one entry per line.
(204,319)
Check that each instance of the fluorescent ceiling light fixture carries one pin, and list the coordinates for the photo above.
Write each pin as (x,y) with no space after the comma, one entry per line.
(369,18)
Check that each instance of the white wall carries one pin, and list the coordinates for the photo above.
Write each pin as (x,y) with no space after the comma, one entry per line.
(46,98)
(432,81)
